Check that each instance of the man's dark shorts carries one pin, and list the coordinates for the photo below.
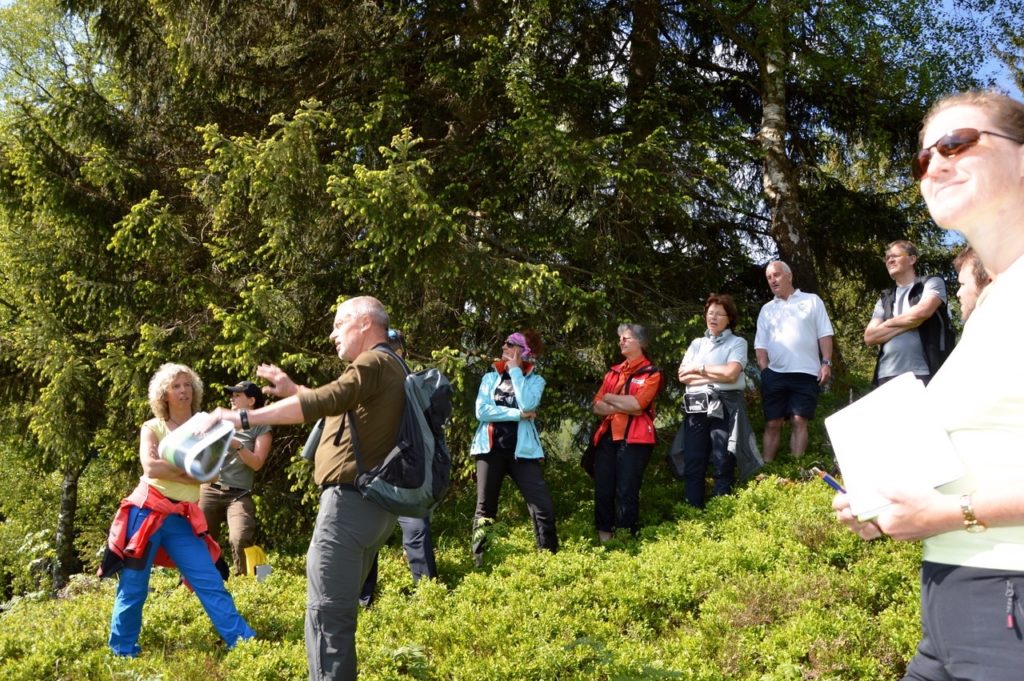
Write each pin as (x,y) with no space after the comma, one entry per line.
(785,395)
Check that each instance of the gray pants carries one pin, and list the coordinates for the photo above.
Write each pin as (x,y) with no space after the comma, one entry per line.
(971,621)
(349,531)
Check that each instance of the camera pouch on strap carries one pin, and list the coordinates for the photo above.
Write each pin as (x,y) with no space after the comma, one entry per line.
(696,403)
(313,441)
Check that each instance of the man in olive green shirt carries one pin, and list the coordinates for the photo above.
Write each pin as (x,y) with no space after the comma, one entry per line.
(349,529)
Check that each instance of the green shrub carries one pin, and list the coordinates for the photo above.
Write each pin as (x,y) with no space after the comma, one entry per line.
(761,585)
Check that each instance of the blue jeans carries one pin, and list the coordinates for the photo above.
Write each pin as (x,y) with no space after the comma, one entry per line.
(706,440)
(192,557)
(618,472)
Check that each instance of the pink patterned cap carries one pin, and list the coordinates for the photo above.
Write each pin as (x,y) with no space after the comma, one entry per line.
(519,340)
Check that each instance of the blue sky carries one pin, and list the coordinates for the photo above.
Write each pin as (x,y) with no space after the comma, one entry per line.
(1004,80)
(993,68)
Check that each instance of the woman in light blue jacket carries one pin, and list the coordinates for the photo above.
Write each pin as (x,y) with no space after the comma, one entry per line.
(507,443)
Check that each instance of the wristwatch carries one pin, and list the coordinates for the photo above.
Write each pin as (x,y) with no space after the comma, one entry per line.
(826,363)
(971,522)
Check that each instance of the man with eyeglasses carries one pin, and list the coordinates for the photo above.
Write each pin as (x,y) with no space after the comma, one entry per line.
(349,528)
(910,323)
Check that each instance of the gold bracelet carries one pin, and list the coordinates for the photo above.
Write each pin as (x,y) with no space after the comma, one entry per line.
(971,522)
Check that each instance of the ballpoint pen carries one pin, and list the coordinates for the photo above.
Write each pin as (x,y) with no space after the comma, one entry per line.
(829,480)
(834,484)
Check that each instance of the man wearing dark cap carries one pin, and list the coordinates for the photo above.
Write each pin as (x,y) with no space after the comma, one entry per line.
(230,496)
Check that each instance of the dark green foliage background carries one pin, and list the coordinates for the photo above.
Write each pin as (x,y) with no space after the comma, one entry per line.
(203,182)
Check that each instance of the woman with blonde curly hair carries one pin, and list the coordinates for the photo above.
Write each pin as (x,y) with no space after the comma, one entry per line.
(161,522)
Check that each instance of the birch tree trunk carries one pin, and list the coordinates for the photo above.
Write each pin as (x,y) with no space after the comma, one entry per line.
(781,181)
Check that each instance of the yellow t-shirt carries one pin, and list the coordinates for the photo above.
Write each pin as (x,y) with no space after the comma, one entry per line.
(979,397)
(181,491)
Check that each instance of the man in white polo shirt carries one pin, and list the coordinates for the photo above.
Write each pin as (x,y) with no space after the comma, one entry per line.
(793,345)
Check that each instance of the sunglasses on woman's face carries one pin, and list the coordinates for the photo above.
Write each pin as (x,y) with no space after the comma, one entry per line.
(951,144)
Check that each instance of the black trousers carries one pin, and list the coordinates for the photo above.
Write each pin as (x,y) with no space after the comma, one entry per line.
(706,442)
(491,469)
(971,619)
(618,473)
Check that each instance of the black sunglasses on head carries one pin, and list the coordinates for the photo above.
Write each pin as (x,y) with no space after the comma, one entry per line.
(949,145)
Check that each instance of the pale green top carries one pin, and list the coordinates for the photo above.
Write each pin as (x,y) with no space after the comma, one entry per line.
(978,395)
(182,491)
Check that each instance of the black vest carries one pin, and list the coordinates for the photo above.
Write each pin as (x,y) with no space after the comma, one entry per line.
(938,338)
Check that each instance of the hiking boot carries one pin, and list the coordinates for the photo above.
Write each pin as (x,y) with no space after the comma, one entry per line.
(481,527)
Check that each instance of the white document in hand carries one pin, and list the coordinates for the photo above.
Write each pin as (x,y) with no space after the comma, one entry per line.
(889,437)
(199,454)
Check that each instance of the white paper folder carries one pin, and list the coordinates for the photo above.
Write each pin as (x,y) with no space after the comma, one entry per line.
(199,454)
(891,438)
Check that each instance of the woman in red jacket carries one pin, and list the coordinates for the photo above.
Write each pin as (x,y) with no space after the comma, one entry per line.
(625,437)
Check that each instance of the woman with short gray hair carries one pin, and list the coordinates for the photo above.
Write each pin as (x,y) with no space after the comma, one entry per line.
(625,437)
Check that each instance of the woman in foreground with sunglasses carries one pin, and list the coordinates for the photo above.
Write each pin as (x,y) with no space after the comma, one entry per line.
(507,443)
(971,169)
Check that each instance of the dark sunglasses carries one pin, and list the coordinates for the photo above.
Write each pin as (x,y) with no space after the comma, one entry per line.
(949,145)
(513,345)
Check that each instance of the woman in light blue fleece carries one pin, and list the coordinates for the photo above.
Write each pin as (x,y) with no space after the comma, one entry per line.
(507,443)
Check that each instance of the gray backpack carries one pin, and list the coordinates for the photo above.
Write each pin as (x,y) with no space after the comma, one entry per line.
(414,476)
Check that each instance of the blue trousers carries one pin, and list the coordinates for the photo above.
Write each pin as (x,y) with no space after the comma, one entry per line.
(190,554)
(706,440)
(618,472)
(419,550)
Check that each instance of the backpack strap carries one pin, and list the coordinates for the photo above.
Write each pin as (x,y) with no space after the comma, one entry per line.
(349,416)
(888,300)
(385,348)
